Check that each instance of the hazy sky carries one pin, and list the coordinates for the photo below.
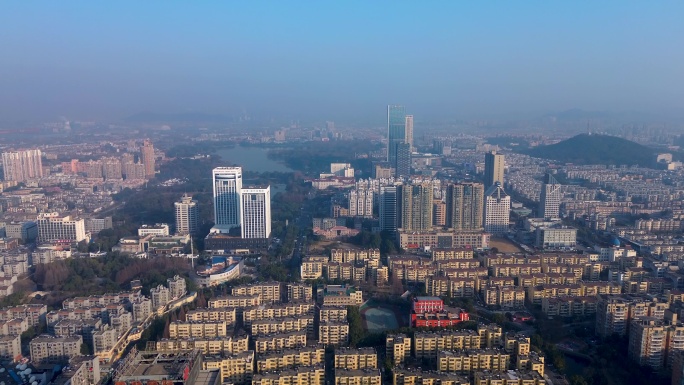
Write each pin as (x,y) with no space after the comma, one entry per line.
(338,59)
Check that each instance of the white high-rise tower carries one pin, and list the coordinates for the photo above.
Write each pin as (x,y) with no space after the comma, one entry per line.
(256,212)
(227,187)
(497,210)
(187,215)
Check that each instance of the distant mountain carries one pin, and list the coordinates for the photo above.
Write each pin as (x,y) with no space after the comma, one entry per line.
(596,149)
(153,117)
(579,115)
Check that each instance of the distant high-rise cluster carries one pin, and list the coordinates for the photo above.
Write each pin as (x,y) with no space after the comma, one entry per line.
(20,166)
(399,139)
(235,206)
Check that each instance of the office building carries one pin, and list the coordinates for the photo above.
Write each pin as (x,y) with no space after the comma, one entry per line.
(147,151)
(497,210)
(494,169)
(21,166)
(227,187)
(157,230)
(549,200)
(256,212)
(52,227)
(388,208)
(402,166)
(416,207)
(187,215)
(361,203)
(396,131)
(465,205)
(409,132)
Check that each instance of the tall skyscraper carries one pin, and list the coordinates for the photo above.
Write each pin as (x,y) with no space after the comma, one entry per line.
(187,215)
(396,131)
(21,166)
(387,204)
(409,131)
(403,165)
(416,207)
(497,210)
(256,212)
(494,169)
(227,187)
(147,151)
(465,206)
(549,200)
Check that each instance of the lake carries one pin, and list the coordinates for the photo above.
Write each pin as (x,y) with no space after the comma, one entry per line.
(252,159)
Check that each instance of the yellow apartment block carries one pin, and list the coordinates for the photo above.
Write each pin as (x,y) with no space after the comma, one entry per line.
(472,360)
(299,292)
(457,264)
(417,376)
(283,325)
(333,333)
(361,358)
(398,348)
(264,312)
(198,329)
(311,268)
(227,314)
(535,294)
(345,255)
(506,297)
(533,362)
(333,313)
(451,287)
(217,346)
(234,301)
(439,254)
(428,344)
(510,377)
(517,344)
(290,358)
(280,341)
(515,270)
(303,376)
(357,377)
(491,336)
(269,291)
(236,369)
(569,306)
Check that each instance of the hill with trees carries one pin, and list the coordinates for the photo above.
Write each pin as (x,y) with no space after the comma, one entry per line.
(596,149)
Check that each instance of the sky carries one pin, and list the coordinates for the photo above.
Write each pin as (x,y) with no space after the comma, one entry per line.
(338,60)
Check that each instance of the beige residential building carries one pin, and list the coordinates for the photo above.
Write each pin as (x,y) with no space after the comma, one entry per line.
(303,376)
(215,346)
(428,344)
(472,360)
(339,295)
(280,341)
(235,301)
(652,341)
(282,325)
(299,292)
(505,297)
(226,314)
(10,347)
(198,329)
(440,254)
(510,377)
(614,313)
(333,313)
(491,336)
(417,376)
(451,287)
(290,358)
(48,349)
(517,344)
(333,333)
(311,268)
(353,359)
(357,377)
(235,369)
(533,362)
(269,291)
(398,348)
(275,311)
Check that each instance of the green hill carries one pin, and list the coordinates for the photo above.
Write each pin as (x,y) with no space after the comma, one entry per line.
(596,149)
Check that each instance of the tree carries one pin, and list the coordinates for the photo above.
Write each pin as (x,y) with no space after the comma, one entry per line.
(578,380)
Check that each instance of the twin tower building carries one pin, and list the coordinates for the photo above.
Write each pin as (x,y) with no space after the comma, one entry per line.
(236,207)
